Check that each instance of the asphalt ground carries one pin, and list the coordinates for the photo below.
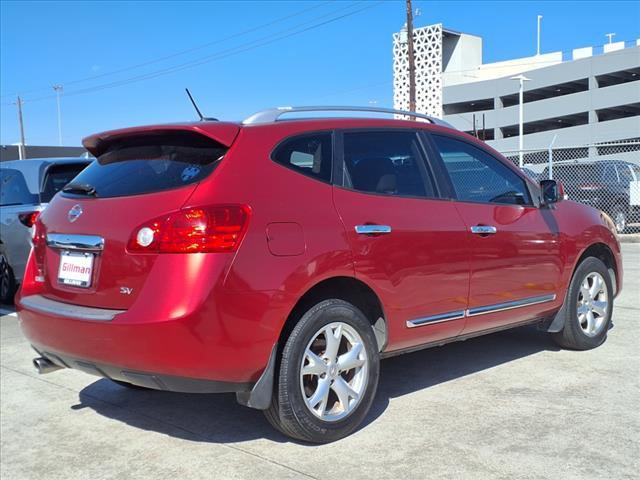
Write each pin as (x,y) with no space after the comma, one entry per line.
(508,405)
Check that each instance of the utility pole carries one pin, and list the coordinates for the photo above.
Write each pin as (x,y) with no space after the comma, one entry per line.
(412,65)
(21,150)
(58,90)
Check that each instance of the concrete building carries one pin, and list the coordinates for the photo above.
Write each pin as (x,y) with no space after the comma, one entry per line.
(586,97)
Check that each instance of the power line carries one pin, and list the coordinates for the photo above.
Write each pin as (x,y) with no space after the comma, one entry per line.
(182,52)
(224,53)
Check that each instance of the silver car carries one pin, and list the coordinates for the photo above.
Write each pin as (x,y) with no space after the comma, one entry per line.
(26,186)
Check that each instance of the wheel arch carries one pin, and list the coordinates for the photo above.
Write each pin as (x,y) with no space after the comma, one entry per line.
(597,250)
(349,289)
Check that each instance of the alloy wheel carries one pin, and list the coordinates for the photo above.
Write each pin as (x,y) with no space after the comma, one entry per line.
(334,372)
(593,303)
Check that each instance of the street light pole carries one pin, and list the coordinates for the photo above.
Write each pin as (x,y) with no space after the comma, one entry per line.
(522,79)
(58,90)
(538,50)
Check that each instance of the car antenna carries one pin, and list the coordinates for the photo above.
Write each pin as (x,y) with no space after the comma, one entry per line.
(202,117)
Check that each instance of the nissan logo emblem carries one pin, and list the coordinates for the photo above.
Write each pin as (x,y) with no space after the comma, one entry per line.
(74,213)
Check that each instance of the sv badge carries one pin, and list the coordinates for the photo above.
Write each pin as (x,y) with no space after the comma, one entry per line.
(126,290)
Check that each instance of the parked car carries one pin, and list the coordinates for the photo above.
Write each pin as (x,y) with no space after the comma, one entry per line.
(282,260)
(26,187)
(603,184)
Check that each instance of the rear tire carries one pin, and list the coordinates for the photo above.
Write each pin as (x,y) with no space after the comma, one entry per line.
(588,308)
(7,281)
(328,374)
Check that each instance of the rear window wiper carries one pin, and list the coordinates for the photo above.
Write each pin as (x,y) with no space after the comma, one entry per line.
(80,188)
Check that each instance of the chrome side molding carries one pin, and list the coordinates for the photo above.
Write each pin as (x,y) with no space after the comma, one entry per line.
(443,317)
(67,241)
(471,312)
(499,307)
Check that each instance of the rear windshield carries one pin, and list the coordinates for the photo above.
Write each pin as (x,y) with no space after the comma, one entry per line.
(150,164)
(57,177)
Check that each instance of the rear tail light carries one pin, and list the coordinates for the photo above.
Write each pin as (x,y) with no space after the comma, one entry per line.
(218,228)
(39,240)
(28,219)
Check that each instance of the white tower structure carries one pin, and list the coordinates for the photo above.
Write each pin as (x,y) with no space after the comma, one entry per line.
(427,45)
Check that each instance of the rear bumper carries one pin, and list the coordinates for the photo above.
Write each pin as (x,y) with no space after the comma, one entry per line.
(220,345)
(156,381)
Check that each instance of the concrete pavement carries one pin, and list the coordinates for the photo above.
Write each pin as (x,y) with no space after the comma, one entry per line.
(508,405)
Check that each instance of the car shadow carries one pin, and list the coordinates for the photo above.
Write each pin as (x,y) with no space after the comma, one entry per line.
(217,418)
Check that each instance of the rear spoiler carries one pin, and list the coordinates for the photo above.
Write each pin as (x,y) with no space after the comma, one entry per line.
(222,132)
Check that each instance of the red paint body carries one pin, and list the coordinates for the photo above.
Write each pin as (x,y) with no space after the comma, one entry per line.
(216,316)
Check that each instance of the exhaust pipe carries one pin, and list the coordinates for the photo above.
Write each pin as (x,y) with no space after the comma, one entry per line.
(44,365)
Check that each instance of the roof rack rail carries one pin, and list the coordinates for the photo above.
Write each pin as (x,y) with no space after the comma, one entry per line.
(273,114)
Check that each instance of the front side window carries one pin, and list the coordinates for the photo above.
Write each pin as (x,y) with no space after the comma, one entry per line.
(478,176)
(385,162)
(307,154)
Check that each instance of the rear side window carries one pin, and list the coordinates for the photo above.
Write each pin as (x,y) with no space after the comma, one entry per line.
(307,154)
(150,164)
(13,188)
(479,177)
(385,162)
(57,177)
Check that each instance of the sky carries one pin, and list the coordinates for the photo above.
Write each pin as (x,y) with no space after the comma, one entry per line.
(127,63)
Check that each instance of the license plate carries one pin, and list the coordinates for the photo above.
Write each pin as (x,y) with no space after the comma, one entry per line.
(76,269)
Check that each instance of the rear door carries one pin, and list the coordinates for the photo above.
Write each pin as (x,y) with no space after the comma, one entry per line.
(89,223)
(407,243)
(515,246)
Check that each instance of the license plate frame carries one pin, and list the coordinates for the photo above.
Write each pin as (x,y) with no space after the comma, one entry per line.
(76,269)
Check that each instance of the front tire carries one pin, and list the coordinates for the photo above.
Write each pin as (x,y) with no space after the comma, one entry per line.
(328,374)
(589,307)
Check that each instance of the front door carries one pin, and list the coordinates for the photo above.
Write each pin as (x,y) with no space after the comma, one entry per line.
(515,259)
(408,245)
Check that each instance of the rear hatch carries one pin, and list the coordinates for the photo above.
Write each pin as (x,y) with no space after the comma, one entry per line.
(139,175)
(581,182)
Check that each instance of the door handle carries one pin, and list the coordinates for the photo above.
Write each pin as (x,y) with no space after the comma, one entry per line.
(484,229)
(372,229)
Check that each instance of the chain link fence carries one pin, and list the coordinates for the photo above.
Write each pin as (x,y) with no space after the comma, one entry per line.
(605,176)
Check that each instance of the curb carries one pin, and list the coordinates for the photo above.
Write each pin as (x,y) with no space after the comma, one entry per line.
(629,238)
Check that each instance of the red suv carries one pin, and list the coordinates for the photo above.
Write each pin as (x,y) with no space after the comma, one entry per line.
(282,259)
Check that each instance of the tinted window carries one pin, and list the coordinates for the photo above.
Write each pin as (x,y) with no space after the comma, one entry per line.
(307,154)
(57,177)
(13,188)
(151,164)
(478,176)
(625,173)
(574,173)
(609,175)
(386,163)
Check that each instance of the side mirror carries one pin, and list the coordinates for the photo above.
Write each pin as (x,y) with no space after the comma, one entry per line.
(552,191)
